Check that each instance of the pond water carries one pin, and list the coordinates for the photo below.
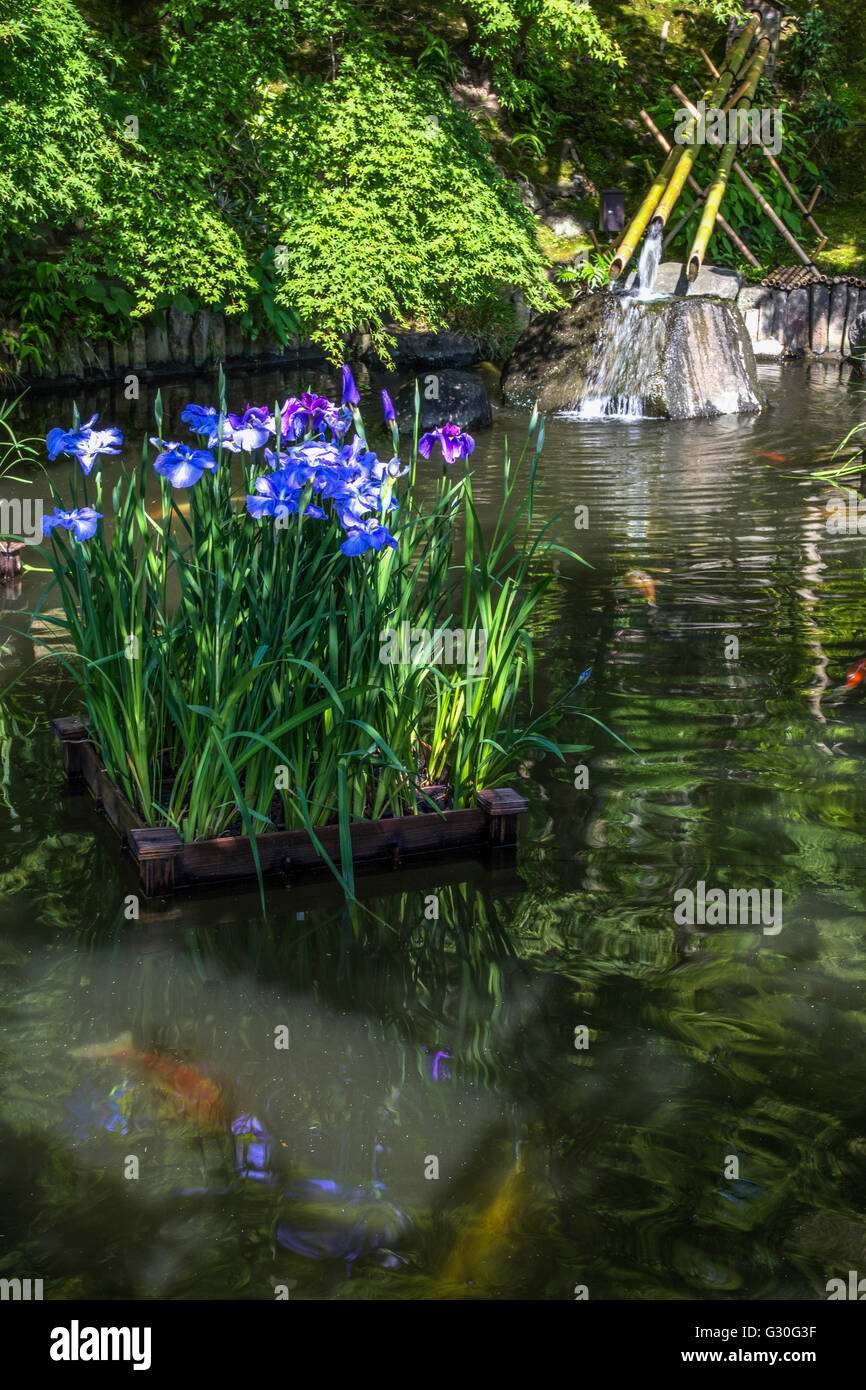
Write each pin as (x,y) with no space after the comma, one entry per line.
(708,1142)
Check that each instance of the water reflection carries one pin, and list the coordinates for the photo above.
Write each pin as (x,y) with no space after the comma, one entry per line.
(413,1039)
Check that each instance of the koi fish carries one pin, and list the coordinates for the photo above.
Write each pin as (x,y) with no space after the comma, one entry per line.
(855,674)
(194,1094)
(476,1250)
(643,582)
(774,458)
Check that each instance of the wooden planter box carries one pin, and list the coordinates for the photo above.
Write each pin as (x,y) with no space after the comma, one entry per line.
(165,862)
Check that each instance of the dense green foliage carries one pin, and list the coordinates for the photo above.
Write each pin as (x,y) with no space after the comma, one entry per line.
(335,167)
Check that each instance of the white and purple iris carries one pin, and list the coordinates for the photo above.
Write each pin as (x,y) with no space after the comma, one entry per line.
(452,440)
(85,443)
(81,522)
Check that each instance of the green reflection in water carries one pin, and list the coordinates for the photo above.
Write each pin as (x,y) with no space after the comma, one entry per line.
(558,1166)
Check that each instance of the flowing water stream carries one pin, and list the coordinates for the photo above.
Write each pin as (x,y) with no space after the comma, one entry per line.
(412,1040)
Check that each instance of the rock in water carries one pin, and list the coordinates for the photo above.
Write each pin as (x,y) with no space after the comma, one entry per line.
(458,398)
(610,355)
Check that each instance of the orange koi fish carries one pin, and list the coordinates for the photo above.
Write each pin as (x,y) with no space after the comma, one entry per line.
(774,458)
(194,1094)
(644,583)
(855,673)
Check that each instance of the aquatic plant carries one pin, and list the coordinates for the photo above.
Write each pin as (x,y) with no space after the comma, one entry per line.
(230,660)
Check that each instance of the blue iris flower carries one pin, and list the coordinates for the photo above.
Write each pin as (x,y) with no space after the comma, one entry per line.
(367,537)
(85,443)
(81,522)
(278,496)
(181,465)
(202,419)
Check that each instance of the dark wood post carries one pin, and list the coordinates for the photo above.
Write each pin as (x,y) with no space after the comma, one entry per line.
(156,852)
(73,736)
(503,807)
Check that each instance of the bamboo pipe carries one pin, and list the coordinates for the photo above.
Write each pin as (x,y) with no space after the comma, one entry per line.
(640,221)
(690,153)
(814,198)
(719,184)
(763,204)
(696,187)
(806,211)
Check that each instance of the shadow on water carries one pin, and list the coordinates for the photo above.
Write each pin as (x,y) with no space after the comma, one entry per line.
(419,1042)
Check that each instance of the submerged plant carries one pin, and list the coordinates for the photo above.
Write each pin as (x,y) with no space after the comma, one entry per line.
(231,660)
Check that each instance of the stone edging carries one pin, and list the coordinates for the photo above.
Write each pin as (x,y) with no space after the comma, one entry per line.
(815,319)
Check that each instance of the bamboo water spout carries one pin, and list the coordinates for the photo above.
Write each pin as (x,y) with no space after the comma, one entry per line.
(717,188)
(669,182)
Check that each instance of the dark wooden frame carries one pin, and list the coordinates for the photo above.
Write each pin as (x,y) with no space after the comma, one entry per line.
(165,862)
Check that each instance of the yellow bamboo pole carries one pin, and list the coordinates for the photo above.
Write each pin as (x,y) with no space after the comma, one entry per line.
(696,187)
(717,188)
(768,154)
(661,187)
(759,198)
(693,149)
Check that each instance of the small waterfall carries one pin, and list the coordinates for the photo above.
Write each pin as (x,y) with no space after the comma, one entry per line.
(650,257)
(668,357)
(612,387)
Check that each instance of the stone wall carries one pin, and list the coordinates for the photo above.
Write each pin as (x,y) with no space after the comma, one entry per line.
(815,318)
(167,342)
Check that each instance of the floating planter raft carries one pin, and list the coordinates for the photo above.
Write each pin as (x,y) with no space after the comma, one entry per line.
(166,862)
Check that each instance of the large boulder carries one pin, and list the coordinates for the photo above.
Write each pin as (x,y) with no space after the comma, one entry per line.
(414,351)
(671,278)
(612,355)
(447,397)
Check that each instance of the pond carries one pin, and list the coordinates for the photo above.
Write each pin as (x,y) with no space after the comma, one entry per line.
(518,1084)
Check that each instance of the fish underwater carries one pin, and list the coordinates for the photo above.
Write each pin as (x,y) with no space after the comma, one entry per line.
(474,1257)
(854,677)
(643,583)
(774,458)
(187,1090)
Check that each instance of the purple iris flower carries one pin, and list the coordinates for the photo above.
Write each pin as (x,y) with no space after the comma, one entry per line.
(455,444)
(84,443)
(351,395)
(181,465)
(367,537)
(252,429)
(81,522)
(300,414)
(390,417)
